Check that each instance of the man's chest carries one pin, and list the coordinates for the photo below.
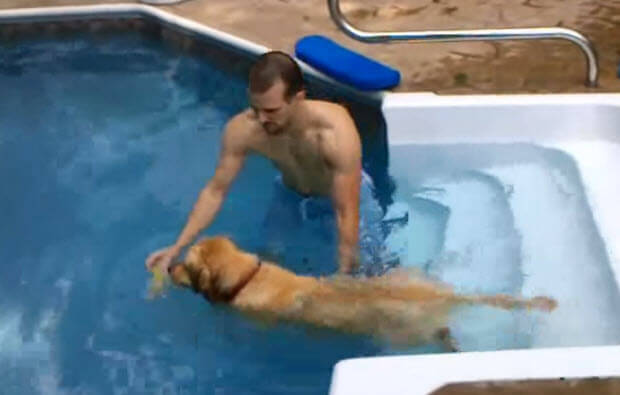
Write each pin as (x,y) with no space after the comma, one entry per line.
(301,152)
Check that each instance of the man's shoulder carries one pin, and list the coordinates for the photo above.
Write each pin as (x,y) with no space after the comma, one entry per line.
(332,118)
(337,129)
(239,130)
(243,125)
(241,121)
(328,109)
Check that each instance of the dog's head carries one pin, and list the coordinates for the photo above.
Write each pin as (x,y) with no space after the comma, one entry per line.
(213,267)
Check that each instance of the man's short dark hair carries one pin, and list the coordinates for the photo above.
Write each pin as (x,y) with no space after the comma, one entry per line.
(272,66)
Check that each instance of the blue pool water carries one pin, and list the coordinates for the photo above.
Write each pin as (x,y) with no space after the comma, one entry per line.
(104,146)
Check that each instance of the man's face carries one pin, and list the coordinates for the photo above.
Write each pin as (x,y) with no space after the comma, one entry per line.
(272,109)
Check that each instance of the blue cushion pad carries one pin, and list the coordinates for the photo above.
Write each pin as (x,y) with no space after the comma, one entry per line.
(344,65)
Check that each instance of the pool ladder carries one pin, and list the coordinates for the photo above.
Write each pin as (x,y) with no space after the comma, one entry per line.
(541,33)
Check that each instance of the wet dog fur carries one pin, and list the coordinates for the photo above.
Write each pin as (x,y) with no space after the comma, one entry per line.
(403,309)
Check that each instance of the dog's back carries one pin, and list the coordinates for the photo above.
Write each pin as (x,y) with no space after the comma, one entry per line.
(403,309)
(410,311)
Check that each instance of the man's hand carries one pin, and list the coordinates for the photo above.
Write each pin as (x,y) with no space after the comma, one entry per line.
(163,258)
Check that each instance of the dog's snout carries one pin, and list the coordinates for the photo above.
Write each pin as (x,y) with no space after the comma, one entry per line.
(172,266)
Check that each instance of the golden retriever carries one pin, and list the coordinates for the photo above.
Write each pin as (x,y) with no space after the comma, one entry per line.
(400,308)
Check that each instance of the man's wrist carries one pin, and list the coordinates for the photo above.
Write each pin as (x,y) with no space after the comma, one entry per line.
(347,258)
(176,249)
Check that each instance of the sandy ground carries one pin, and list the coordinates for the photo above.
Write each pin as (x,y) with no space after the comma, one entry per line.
(468,67)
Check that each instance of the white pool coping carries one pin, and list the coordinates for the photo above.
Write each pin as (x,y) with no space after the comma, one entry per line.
(423,374)
(420,374)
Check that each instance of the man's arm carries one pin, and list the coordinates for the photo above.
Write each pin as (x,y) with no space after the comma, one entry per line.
(343,151)
(345,196)
(232,156)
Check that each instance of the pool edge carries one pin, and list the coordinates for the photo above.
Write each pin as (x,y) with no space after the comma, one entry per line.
(120,10)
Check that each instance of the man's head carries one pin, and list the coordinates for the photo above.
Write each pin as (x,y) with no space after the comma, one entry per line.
(275,89)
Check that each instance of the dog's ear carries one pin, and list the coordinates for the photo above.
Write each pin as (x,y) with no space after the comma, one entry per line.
(205,281)
(200,280)
(221,257)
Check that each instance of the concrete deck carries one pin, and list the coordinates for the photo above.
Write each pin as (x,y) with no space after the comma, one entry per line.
(454,68)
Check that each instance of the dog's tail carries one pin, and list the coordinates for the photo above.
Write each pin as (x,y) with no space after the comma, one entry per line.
(508,302)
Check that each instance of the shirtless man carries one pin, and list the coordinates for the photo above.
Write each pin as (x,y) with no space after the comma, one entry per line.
(314,144)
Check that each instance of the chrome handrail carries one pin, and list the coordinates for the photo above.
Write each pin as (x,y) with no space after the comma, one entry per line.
(472,35)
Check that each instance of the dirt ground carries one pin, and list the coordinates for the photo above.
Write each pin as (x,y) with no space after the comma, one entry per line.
(450,68)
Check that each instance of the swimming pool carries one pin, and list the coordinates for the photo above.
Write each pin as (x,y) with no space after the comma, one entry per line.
(107,139)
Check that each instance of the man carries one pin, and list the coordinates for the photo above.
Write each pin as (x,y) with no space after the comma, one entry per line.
(314,144)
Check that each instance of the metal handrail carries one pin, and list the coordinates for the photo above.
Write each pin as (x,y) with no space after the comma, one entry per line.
(472,35)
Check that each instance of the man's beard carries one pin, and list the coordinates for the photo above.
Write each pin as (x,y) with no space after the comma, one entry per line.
(272,128)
